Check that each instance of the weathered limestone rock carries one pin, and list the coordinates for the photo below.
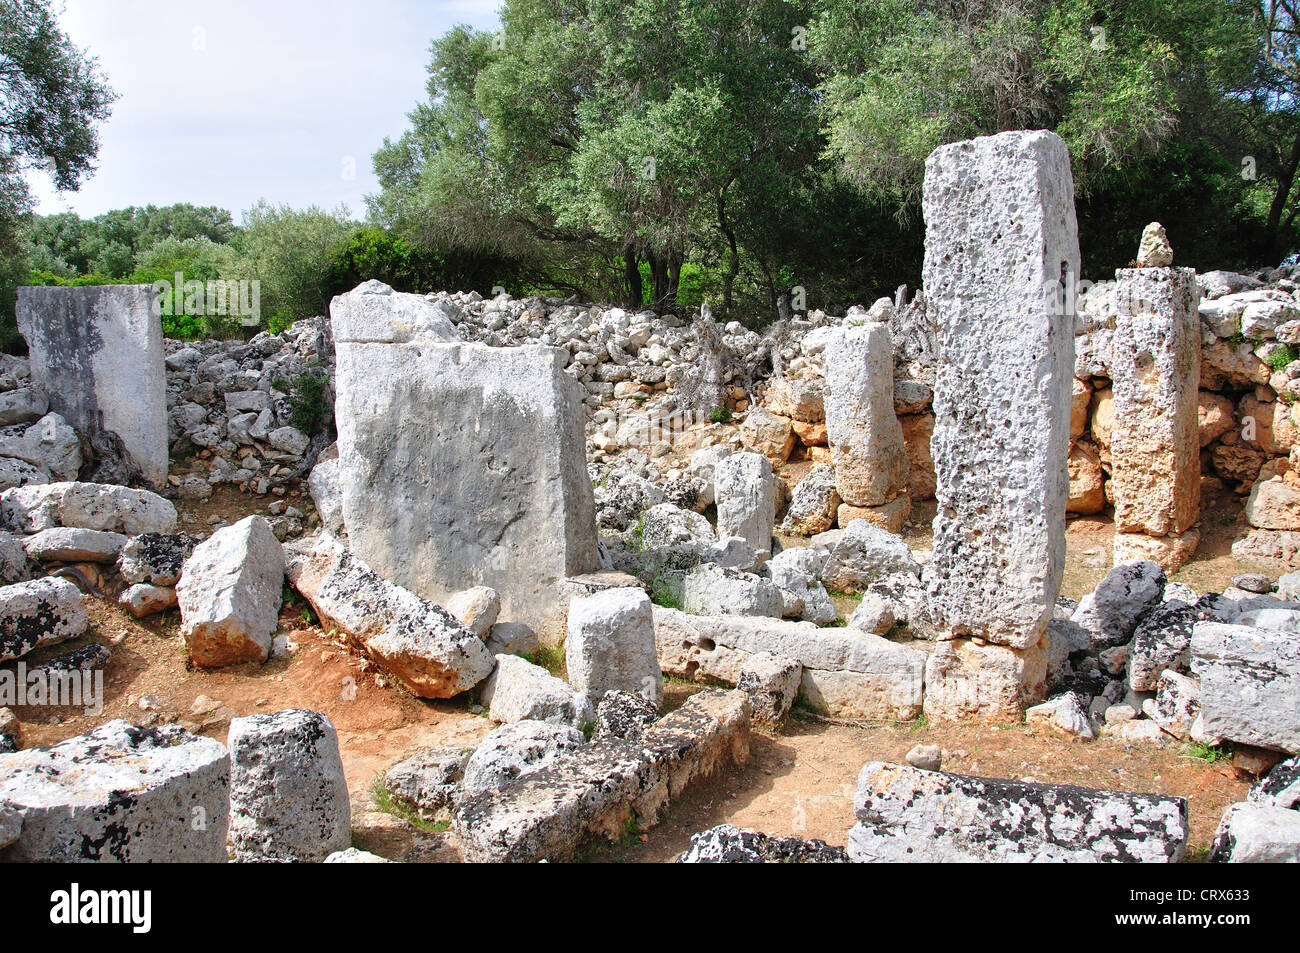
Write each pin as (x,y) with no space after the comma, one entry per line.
(230,593)
(813,504)
(611,645)
(1250,679)
(516,750)
(75,545)
(1161,641)
(917,431)
(772,684)
(871,464)
(891,516)
(143,599)
(323,484)
(1155,441)
(1170,552)
(802,596)
(41,612)
(1281,788)
(847,672)
(156,558)
(373,313)
(112,509)
(727,844)
(1003,384)
(926,816)
(476,608)
(964,679)
(420,643)
(1066,714)
(708,589)
(50,445)
(666,525)
(1155,251)
(1087,480)
(860,554)
(766,433)
(796,398)
(1274,504)
(1257,834)
(288,796)
(521,691)
(498,432)
(602,788)
(121,793)
(98,351)
(1110,613)
(1177,704)
(745,492)
(428,782)
(624,715)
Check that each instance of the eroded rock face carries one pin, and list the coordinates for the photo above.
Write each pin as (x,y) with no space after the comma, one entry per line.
(871,465)
(288,796)
(521,691)
(727,844)
(1257,834)
(813,505)
(230,593)
(428,782)
(99,353)
(498,430)
(99,506)
(121,793)
(772,684)
(1250,679)
(1003,384)
(1110,613)
(516,750)
(905,814)
(409,637)
(40,612)
(155,558)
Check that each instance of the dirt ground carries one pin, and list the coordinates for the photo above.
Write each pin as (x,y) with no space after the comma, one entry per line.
(799,781)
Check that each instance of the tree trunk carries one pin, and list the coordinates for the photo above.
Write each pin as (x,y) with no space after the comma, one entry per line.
(632,278)
(733,254)
(1286,175)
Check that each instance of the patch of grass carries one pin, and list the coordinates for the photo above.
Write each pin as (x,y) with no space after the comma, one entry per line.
(720,415)
(1210,754)
(664,592)
(1282,356)
(385,803)
(551,658)
(919,723)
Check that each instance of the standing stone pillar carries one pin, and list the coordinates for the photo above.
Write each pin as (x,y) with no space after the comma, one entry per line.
(459,464)
(98,352)
(1001,260)
(866,439)
(1155,450)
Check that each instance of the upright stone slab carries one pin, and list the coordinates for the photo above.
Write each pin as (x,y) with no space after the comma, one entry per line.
(1155,448)
(459,464)
(866,439)
(98,351)
(745,490)
(1001,244)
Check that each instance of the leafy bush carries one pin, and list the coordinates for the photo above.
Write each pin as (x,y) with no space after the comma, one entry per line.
(720,415)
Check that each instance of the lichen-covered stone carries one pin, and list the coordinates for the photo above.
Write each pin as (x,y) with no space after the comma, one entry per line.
(728,844)
(1250,680)
(904,814)
(39,612)
(871,465)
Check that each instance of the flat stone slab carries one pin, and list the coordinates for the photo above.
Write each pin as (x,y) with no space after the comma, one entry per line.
(98,351)
(120,794)
(98,506)
(906,814)
(40,612)
(601,788)
(728,844)
(846,672)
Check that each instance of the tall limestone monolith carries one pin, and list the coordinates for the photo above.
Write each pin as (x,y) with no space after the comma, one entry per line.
(459,464)
(1001,265)
(1155,448)
(98,352)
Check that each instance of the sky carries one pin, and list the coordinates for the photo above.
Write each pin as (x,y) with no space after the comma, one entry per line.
(224,102)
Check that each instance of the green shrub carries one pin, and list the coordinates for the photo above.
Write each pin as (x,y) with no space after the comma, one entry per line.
(1283,356)
(308,406)
(720,415)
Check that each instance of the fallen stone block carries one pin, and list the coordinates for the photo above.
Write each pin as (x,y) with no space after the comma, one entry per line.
(230,593)
(1281,788)
(428,782)
(288,796)
(409,637)
(61,544)
(518,690)
(1111,612)
(156,558)
(603,788)
(624,715)
(142,599)
(727,844)
(39,612)
(991,682)
(846,672)
(101,506)
(1250,680)
(904,814)
(119,794)
(516,750)
(50,445)
(709,589)
(1257,834)
(476,608)
(611,645)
